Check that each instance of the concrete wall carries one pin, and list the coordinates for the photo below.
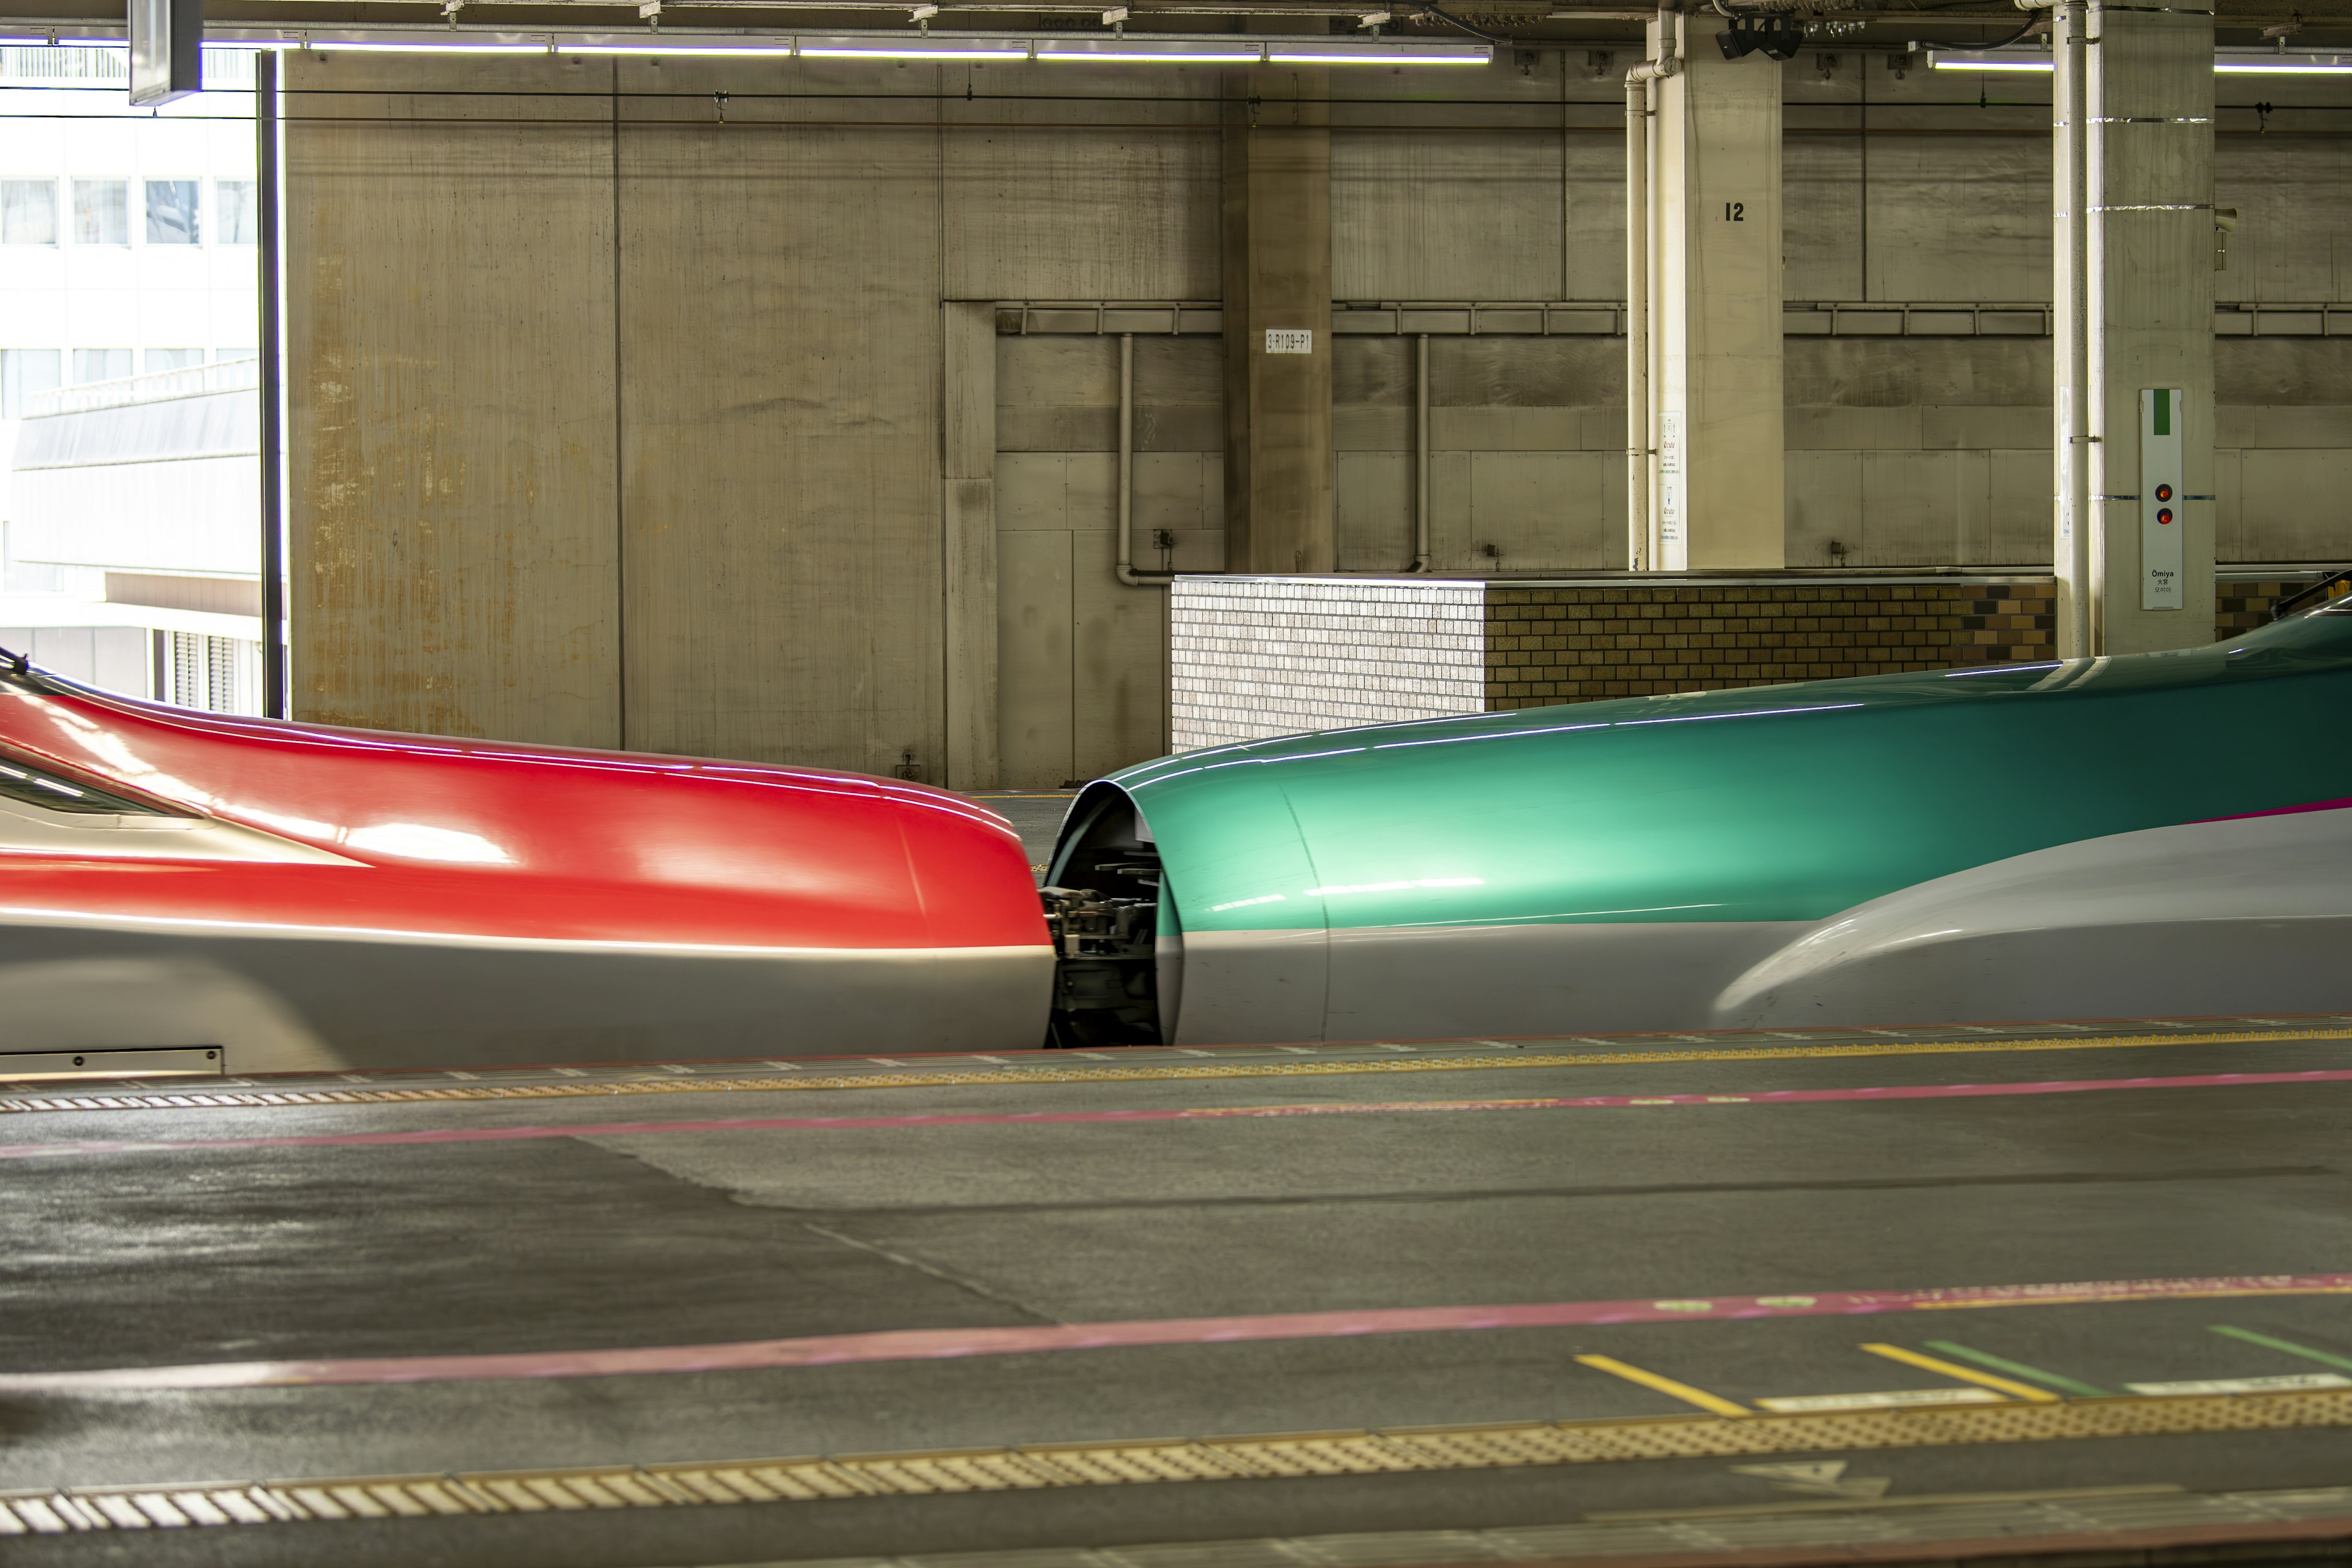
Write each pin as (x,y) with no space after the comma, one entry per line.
(613,424)
(1081,673)
(454,514)
(616,425)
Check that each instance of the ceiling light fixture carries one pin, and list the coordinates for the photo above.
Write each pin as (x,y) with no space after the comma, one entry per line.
(1149,51)
(2249,63)
(1986,61)
(926,47)
(2282,64)
(445,43)
(673,46)
(1117,49)
(1352,52)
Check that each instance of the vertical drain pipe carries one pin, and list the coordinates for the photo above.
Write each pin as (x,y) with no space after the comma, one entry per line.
(1639,553)
(1421,456)
(1127,572)
(274,704)
(2078,335)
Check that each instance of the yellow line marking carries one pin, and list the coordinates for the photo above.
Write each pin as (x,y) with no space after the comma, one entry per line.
(1392,1451)
(2010,1386)
(1667,1385)
(121,1100)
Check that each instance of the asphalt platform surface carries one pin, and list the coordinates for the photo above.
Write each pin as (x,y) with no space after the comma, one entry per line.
(1036,815)
(1780,1203)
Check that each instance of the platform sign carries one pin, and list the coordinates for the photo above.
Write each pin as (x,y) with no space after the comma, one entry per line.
(167,58)
(2162,517)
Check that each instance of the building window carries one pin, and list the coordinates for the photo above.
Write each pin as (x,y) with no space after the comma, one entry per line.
(24,372)
(28,212)
(173,359)
(17,577)
(102,212)
(235,219)
(173,213)
(100,364)
(219,674)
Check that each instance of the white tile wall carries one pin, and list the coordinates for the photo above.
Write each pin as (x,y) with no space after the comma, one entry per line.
(1254,656)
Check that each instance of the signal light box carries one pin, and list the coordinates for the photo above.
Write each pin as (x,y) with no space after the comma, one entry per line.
(2161,512)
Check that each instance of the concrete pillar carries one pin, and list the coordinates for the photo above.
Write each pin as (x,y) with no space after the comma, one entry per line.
(1715,310)
(1277,282)
(2139,577)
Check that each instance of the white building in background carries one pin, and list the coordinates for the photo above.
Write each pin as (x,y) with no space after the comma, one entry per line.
(129,415)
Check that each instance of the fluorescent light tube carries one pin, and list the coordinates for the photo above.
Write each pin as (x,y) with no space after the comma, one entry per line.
(775,48)
(1986,61)
(2282,65)
(1150,51)
(914,47)
(1343,52)
(494,44)
(2247,64)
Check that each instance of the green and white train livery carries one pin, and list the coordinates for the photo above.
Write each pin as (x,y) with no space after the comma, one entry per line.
(2158,835)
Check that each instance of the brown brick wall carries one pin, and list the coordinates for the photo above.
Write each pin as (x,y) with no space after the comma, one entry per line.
(2243,607)
(1577,644)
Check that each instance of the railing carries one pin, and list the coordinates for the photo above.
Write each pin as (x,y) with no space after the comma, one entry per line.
(2327,590)
(1853,318)
(82,65)
(156,386)
(2252,319)
(1605,318)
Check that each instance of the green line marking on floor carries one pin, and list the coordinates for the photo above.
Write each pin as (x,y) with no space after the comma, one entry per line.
(2019,1369)
(2326,1358)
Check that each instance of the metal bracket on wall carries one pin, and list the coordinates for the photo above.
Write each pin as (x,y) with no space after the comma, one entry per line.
(1606,317)
(2252,320)
(1841,319)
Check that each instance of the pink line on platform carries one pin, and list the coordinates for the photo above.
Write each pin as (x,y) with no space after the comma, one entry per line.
(940,1344)
(1197,1113)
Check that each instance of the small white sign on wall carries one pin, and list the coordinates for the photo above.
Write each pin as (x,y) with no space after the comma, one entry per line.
(1674,543)
(1289,340)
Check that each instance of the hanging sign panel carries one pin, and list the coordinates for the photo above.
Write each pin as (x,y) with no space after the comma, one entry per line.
(166,50)
(2161,514)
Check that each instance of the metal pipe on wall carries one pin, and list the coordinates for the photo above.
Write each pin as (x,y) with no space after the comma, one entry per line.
(1127,572)
(273,530)
(1640,421)
(2078,346)
(1421,456)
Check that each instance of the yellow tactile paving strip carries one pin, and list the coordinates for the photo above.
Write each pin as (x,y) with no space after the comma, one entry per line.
(1158,1071)
(1267,1458)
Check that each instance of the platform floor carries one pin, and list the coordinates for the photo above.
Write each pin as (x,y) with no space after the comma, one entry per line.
(1036,815)
(1801,1283)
